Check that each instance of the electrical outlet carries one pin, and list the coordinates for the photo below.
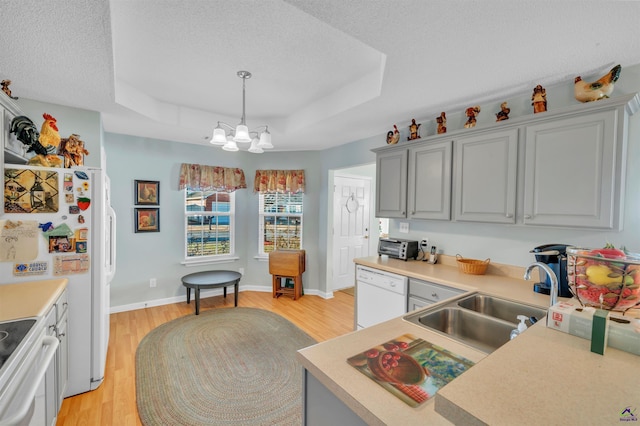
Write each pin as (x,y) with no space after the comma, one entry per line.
(241,270)
(152,282)
(404,227)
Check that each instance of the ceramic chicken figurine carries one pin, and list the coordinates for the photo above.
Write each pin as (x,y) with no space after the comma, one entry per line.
(43,144)
(49,139)
(442,123)
(539,99)
(504,112)
(471,113)
(414,130)
(49,136)
(600,89)
(5,88)
(27,133)
(393,136)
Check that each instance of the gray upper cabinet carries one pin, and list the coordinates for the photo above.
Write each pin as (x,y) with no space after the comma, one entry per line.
(486,168)
(572,172)
(563,168)
(391,184)
(429,186)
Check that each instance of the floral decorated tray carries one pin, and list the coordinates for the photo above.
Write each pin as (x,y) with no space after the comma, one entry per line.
(412,369)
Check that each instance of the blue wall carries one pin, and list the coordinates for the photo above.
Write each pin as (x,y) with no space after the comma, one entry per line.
(144,256)
(158,255)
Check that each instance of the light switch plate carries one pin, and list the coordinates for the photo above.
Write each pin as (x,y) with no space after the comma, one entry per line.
(404,227)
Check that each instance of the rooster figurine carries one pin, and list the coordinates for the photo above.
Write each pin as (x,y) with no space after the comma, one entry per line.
(49,136)
(43,144)
(600,89)
(393,136)
(27,133)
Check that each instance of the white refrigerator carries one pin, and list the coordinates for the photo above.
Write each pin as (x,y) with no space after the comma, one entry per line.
(58,222)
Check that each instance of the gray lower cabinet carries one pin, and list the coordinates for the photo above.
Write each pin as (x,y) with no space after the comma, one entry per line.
(425,293)
(429,183)
(391,184)
(573,171)
(323,408)
(486,167)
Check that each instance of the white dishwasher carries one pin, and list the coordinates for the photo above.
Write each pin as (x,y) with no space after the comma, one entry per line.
(380,296)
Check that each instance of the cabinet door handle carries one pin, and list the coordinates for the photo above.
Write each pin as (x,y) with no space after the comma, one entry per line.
(508,215)
(434,295)
(527,216)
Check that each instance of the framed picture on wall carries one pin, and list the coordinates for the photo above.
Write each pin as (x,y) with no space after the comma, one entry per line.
(147,220)
(147,192)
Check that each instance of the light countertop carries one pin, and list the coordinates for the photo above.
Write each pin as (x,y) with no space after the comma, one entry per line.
(29,298)
(542,377)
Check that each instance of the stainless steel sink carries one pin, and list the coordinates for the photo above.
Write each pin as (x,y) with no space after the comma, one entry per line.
(481,332)
(500,308)
(481,321)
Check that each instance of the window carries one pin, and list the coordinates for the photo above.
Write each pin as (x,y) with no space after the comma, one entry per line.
(280,222)
(209,224)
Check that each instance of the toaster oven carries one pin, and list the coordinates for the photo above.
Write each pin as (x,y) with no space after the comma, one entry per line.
(398,248)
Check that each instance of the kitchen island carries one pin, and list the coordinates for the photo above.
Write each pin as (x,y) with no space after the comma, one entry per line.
(542,377)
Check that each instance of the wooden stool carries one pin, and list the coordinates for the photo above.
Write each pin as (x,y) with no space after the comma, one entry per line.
(287,264)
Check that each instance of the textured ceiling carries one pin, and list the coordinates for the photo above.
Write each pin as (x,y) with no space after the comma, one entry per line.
(325,72)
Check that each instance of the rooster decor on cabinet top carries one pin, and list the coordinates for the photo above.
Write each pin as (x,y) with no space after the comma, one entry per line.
(599,89)
(43,144)
(471,113)
(539,99)
(5,88)
(442,123)
(414,130)
(503,114)
(393,136)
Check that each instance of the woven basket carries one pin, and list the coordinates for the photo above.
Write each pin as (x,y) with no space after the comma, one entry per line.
(472,266)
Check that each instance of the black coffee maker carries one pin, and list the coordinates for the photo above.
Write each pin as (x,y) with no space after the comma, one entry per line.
(555,256)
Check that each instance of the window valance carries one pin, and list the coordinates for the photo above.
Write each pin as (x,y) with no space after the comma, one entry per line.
(282,181)
(197,177)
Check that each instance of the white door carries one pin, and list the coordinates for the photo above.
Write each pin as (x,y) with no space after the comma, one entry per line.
(351,209)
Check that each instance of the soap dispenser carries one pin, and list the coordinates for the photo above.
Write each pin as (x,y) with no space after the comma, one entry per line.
(521,327)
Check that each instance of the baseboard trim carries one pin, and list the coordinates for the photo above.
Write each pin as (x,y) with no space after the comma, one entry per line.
(203,295)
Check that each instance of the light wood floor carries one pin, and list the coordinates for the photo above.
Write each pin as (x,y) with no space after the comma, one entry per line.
(114,402)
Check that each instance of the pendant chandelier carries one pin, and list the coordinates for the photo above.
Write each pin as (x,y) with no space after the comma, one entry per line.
(241,133)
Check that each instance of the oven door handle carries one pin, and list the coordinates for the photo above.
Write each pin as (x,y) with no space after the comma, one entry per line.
(22,412)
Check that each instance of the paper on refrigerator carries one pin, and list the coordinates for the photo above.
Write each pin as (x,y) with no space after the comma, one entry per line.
(18,240)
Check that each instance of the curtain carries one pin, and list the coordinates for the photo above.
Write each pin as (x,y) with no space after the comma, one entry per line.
(282,181)
(197,177)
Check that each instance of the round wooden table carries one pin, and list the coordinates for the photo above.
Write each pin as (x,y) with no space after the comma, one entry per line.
(211,279)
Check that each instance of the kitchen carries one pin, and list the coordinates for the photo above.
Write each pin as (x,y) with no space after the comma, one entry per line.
(133,157)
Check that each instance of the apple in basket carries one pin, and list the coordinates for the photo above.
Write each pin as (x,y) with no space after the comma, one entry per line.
(606,278)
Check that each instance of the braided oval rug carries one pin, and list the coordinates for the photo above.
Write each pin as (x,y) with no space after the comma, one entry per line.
(229,366)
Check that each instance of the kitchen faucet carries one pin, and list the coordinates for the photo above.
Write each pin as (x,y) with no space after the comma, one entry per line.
(552,277)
